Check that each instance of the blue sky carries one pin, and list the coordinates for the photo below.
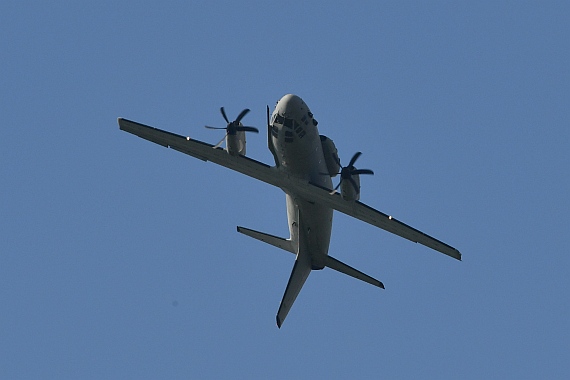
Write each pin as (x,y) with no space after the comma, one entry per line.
(120,259)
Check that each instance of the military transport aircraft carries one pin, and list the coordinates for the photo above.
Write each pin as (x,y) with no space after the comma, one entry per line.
(305,163)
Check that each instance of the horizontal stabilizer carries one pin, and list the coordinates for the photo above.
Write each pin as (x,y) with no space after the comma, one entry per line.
(276,241)
(339,266)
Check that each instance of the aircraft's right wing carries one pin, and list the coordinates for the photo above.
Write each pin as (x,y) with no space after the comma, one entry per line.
(203,151)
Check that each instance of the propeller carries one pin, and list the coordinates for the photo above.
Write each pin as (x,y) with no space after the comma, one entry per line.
(348,171)
(234,126)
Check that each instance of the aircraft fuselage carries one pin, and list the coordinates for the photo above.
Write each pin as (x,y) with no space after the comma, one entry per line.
(297,144)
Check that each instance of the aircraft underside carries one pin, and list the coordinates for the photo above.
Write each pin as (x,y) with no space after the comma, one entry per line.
(305,163)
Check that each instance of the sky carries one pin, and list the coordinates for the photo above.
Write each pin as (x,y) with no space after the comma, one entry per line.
(120,258)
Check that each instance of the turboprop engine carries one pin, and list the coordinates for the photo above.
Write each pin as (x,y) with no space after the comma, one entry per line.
(235,133)
(331,156)
(350,179)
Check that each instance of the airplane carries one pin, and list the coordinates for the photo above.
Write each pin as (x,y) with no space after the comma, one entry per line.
(305,163)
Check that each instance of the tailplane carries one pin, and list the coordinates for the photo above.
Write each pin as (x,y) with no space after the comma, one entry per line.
(341,267)
(286,244)
(302,268)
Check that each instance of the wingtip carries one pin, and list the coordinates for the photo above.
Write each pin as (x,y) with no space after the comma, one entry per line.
(121,121)
(381,286)
(279,322)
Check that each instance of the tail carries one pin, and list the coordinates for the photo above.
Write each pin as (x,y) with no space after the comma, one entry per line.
(286,244)
(341,267)
(290,246)
(302,268)
(299,274)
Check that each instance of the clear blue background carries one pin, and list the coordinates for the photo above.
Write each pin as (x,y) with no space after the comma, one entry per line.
(120,259)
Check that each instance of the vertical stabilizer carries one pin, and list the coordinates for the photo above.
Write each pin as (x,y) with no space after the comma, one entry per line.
(299,274)
(270,141)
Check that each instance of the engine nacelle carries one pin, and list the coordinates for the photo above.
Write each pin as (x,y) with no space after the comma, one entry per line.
(331,156)
(350,188)
(235,143)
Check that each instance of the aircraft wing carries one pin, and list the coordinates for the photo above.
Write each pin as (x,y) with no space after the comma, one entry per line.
(372,216)
(276,177)
(201,150)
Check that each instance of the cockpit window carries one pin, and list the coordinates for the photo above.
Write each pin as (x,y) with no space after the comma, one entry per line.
(278,119)
(288,123)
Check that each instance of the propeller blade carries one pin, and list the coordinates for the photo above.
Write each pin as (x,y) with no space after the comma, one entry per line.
(354,158)
(362,171)
(348,171)
(247,129)
(336,187)
(234,126)
(220,142)
(241,115)
(224,114)
(208,127)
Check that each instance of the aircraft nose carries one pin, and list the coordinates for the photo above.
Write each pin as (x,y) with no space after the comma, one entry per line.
(291,106)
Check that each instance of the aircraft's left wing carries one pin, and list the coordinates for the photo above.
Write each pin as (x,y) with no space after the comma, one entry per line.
(276,177)
(361,211)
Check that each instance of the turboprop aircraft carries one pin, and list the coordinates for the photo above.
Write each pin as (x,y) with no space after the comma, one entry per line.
(305,163)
